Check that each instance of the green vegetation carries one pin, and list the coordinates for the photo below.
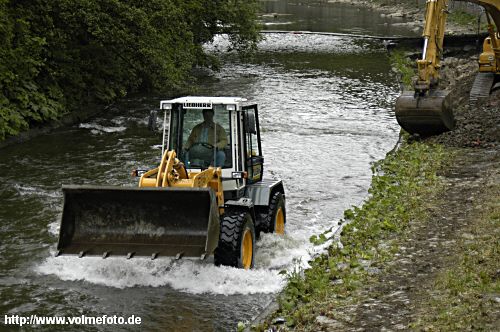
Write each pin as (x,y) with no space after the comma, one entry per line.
(400,185)
(58,55)
(462,18)
(406,68)
(469,291)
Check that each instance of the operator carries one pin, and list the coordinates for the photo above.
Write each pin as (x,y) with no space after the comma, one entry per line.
(204,133)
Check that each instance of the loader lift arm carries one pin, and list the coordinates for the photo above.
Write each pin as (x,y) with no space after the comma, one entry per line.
(427,110)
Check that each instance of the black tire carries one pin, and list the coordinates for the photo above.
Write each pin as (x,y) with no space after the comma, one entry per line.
(277,201)
(229,250)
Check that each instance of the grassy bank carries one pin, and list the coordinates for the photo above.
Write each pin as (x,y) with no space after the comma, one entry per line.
(468,291)
(414,220)
(401,183)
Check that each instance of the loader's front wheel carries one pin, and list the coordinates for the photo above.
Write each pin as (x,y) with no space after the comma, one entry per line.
(237,241)
(276,216)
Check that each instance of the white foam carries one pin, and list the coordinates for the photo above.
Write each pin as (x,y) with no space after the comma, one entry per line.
(54,227)
(25,190)
(98,129)
(192,276)
(277,23)
(273,254)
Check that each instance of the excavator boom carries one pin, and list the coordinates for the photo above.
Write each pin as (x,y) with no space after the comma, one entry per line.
(426,110)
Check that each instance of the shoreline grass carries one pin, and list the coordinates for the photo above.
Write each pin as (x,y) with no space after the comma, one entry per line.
(400,185)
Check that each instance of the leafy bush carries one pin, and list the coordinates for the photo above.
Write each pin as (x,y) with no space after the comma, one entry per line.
(58,55)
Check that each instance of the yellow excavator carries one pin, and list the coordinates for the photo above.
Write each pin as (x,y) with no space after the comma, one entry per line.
(427,110)
(206,196)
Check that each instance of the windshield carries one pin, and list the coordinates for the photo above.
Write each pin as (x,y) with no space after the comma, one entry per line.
(205,138)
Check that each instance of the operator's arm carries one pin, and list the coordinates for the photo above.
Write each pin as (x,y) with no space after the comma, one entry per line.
(193,137)
(221,137)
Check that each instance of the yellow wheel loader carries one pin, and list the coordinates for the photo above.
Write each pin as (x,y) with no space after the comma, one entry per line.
(206,196)
(427,110)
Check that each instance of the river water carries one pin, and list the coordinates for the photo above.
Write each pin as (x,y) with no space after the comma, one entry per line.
(326,114)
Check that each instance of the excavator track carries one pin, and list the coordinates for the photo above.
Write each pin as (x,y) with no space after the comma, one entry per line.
(481,87)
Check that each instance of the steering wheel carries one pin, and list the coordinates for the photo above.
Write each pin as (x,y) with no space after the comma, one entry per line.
(205,145)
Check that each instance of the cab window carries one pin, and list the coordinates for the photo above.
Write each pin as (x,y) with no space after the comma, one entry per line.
(206,137)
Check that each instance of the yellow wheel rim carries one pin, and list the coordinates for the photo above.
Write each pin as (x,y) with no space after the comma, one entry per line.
(247,249)
(279,222)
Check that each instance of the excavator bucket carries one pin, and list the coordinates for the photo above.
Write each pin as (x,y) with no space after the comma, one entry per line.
(425,115)
(130,222)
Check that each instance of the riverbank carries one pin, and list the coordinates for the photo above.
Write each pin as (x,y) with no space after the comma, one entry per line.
(426,260)
(422,252)
(458,23)
(69,119)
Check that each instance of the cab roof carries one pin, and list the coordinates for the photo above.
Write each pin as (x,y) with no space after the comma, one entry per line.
(200,99)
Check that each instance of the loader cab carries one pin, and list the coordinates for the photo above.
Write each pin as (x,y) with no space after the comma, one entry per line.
(216,131)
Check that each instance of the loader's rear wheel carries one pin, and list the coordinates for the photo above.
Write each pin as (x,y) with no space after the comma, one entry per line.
(236,241)
(276,217)
(279,221)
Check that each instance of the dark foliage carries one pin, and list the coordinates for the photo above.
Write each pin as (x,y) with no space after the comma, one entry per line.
(58,55)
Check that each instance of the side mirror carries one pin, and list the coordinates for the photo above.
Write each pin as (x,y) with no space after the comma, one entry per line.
(250,123)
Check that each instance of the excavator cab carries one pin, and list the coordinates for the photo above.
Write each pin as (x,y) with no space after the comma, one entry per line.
(207,196)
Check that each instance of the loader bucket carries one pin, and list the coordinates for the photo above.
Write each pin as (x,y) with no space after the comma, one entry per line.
(425,115)
(110,221)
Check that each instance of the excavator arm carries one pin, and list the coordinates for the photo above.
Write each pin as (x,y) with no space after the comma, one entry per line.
(433,34)
(426,110)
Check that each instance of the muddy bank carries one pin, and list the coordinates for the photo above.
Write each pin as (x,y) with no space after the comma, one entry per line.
(478,126)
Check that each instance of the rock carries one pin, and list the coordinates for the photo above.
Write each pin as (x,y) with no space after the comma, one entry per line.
(279,321)
(342,266)
(330,324)
(468,236)
(396,14)
(337,282)
(469,48)
(373,270)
